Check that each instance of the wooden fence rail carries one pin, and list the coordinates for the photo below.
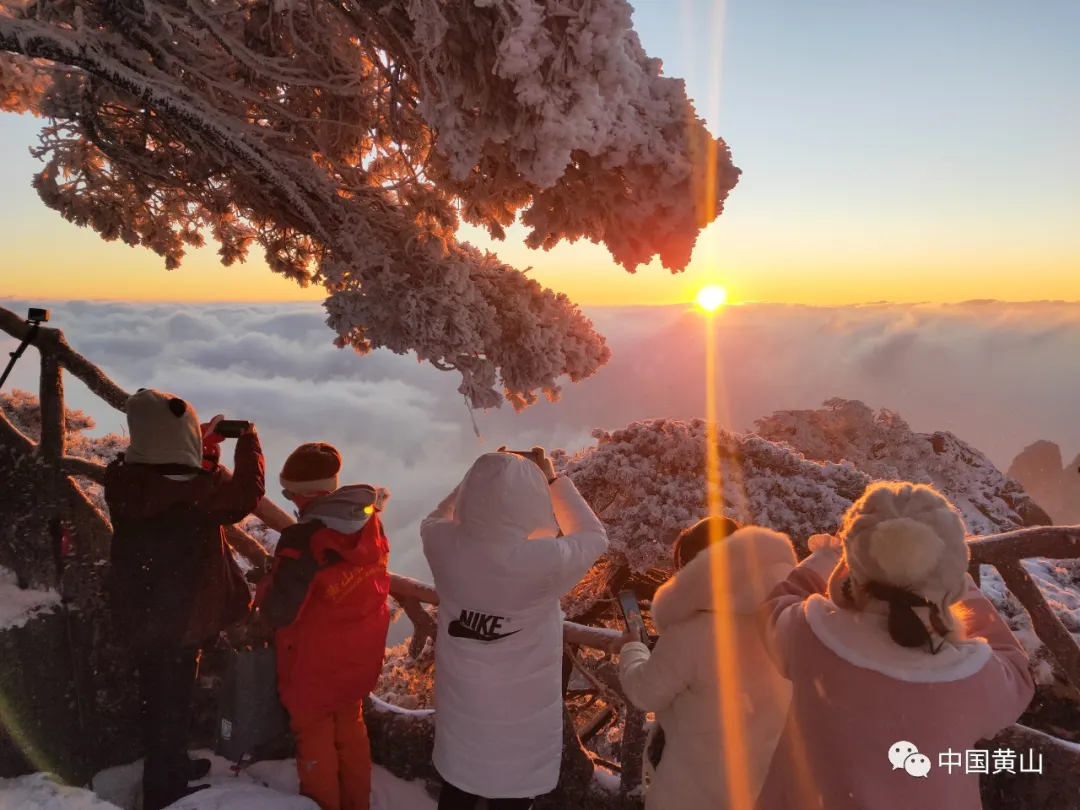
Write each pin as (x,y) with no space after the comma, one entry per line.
(1003,551)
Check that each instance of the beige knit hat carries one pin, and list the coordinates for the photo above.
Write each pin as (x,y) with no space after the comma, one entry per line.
(903,536)
(311,468)
(164,430)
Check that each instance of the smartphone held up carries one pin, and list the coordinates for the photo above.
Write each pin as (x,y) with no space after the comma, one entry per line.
(535,455)
(232,428)
(631,613)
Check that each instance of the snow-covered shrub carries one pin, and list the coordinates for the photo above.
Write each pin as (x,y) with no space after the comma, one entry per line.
(408,683)
(23,410)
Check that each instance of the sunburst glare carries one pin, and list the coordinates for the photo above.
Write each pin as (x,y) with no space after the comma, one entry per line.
(711,298)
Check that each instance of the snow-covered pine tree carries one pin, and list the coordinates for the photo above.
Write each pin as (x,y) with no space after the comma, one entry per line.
(349,139)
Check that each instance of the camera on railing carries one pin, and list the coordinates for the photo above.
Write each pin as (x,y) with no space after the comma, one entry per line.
(35,317)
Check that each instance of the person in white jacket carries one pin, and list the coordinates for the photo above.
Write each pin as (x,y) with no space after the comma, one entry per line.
(684,681)
(501,566)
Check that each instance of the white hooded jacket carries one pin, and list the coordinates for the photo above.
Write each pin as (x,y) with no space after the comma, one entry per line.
(681,679)
(500,570)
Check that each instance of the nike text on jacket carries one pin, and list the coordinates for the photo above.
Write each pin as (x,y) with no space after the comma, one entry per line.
(500,570)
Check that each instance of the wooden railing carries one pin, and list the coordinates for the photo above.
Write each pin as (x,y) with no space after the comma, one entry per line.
(1003,551)
(94,529)
(1006,552)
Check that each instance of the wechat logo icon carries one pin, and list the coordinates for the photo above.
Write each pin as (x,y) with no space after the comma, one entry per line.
(906,757)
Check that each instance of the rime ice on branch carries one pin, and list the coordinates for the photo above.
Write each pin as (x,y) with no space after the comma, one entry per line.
(348,140)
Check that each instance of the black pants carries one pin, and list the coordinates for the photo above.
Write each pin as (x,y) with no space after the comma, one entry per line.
(452,798)
(166,683)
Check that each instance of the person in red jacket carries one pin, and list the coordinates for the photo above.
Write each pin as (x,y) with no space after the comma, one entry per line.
(326,595)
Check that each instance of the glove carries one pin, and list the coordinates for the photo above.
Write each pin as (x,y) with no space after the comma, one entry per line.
(211,443)
(825,541)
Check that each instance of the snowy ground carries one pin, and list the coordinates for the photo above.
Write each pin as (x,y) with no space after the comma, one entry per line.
(17,606)
(262,786)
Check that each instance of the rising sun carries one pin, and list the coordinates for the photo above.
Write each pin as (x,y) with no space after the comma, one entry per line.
(711,298)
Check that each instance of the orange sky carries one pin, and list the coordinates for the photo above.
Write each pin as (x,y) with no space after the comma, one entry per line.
(813,266)
(868,176)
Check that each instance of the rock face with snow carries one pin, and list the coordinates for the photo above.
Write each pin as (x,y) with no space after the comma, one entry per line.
(882,445)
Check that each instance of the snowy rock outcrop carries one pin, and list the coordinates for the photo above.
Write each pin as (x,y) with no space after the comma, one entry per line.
(647,482)
(883,446)
(1055,485)
(1040,471)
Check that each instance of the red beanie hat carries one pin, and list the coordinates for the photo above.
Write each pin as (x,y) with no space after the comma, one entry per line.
(311,468)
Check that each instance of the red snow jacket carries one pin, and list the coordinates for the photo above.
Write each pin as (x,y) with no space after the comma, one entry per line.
(327,596)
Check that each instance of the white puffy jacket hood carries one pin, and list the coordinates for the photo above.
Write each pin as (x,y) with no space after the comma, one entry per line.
(505,496)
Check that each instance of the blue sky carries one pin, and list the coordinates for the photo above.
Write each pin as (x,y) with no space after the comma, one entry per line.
(903,151)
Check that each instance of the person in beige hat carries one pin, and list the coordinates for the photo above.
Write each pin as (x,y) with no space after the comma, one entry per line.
(892,652)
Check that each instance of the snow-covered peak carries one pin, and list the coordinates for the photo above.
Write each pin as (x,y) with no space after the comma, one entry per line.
(882,445)
(647,482)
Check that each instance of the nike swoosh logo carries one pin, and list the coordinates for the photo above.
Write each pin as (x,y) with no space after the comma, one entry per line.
(458,630)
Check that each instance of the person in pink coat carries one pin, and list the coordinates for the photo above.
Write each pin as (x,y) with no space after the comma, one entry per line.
(895,658)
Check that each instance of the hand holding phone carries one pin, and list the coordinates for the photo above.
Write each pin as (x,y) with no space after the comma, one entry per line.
(232,428)
(537,456)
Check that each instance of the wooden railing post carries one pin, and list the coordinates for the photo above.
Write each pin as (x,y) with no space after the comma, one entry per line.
(51,398)
(632,750)
(51,450)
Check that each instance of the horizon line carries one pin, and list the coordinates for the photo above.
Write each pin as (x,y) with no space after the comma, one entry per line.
(644,305)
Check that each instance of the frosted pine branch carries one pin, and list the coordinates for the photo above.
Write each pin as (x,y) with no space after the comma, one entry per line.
(348,140)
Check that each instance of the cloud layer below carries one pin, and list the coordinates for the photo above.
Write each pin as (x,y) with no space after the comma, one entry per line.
(998,375)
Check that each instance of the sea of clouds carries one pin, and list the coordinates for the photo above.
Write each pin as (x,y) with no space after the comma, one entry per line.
(998,375)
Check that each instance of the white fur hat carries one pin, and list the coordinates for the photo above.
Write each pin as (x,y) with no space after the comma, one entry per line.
(908,536)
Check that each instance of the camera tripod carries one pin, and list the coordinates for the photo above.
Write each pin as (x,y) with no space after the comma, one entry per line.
(28,338)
